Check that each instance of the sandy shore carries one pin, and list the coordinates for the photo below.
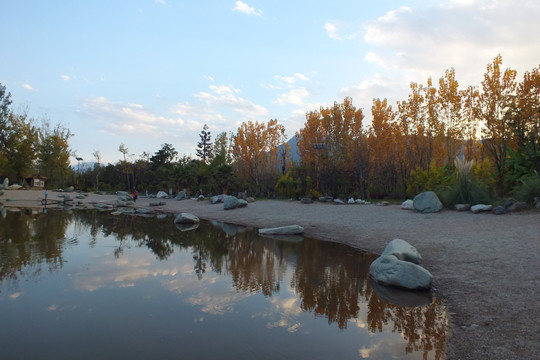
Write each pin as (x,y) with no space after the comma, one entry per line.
(486,267)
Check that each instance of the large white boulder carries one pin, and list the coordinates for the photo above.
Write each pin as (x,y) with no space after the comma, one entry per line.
(390,271)
(427,202)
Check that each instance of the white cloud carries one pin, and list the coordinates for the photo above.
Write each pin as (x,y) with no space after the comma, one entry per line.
(65,77)
(336,29)
(463,34)
(224,96)
(295,96)
(292,79)
(129,119)
(28,87)
(332,31)
(246,9)
(161,2)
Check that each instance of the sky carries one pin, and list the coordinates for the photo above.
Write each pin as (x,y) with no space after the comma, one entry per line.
(148,72)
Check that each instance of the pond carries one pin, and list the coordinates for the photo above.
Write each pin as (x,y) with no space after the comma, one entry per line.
(90,285)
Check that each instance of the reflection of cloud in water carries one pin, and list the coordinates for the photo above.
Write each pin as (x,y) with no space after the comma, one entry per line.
(204,293)
(389,346)
(14,296)
(124,272)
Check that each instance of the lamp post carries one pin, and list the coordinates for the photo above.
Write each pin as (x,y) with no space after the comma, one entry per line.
(79,159)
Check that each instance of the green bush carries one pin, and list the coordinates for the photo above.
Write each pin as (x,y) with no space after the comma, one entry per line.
(287,186)
(422,180)
(528,189)
(465,188)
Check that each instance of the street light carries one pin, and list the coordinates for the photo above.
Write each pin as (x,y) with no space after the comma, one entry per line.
(79,159)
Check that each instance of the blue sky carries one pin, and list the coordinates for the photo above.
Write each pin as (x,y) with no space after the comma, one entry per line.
(148,72)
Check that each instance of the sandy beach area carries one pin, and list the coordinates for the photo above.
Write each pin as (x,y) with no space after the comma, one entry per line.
(486,267)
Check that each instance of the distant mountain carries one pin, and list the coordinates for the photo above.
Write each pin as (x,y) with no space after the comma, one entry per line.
(294,149)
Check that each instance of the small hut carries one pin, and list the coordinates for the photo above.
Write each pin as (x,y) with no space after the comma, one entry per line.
(36,181)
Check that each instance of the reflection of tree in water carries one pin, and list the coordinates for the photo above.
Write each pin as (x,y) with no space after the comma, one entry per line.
(254,264)
(331,280)
(424,327)
(27,241)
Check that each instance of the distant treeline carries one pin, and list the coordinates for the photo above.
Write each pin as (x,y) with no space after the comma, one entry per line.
(491,130)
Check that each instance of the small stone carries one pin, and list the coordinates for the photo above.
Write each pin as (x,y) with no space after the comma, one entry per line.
(408,205)
(499,210)
(481,207)
(463,207)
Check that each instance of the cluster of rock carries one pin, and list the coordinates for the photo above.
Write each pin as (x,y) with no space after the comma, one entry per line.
(509,206)
(428,202)
(123,198)
(231,202)
(337,200)
(399,266)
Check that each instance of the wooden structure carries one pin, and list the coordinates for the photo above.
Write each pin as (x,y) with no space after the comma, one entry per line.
(36,181)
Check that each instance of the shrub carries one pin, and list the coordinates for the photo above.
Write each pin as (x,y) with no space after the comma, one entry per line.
(287,186)
(465,189)
(528,189)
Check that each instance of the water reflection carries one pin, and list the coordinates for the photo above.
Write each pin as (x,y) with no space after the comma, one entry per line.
(296,278)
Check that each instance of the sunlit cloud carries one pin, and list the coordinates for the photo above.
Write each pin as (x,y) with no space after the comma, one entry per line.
(65,78)
(294,96)
(336,31)
(218,100)
(246,9)
(132,119)
(332,31)
(292,79)
(418,43)
(28,87)
(161,2)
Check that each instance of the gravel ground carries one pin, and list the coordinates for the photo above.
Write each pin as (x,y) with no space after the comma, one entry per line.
(486,267)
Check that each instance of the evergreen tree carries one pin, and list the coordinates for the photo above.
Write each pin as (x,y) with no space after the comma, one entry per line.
(204,147)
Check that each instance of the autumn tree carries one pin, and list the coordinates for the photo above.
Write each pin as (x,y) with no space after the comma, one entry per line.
(384,151)
(451,125)
(329,146)
(23,144)
(498,90)
(469,127)
(255,153)
(54,153)
(525,118)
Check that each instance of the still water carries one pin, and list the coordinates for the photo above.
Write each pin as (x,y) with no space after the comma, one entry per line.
(90,285)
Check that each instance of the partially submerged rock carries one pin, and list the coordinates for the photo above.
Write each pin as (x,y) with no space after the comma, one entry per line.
(186,218)
(389,270)
(282,230)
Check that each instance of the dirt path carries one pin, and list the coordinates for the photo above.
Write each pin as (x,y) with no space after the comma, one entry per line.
(486,267)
